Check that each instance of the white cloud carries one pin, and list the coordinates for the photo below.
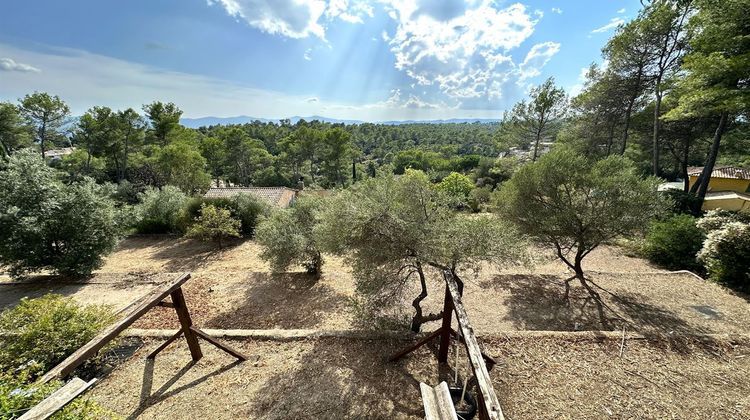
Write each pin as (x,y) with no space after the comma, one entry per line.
(84,79)
(556,10)
(464,52)
(8,64)
(621,10)
(308,54)
(295,18)
(537,58)
(613,23)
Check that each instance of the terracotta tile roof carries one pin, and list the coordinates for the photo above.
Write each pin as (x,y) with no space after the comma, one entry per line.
(282,197)
(723,172)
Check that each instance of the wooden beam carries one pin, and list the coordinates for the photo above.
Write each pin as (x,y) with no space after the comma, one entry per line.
(489,360)
(178,299)
(437,402)
(445,337)
(416,345)
(165,304)
(164,345)
(108,334)
(484,382)
(57,400)
(218,343)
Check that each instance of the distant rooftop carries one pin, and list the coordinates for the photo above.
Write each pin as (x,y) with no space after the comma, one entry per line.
(732,172)
(281,197)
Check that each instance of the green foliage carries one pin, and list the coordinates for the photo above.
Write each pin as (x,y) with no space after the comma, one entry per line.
(243,207)
(458,187)
(674,243)
(214,224)
(18,395)
(159,210)
(336,154)
(49,225)
(574,204)
(183,166)
(537,120)
(726,254)
(46,114)
(163,119)
(14,134)
(40,333)
(479,199)
(287,236)
(390,229)
(726,250)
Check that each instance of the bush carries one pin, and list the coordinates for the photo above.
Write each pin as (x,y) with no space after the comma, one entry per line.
(479,199)
(214,224)
(457,186)
(682,202)
(246,208)
(288,237)
(726,254)
(45,224)
(17,395)
(674,242)
(40,333)
(159,210)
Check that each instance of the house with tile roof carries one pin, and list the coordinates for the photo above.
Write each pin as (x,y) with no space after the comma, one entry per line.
(280,197)
(728,188)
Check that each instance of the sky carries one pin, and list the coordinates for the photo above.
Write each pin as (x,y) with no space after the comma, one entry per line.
(350,59)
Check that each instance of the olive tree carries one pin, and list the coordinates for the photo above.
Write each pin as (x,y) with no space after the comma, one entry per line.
(575,205)
(45,224)
(394,230)
(287,236)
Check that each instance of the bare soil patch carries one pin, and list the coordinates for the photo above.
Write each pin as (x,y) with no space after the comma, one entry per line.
(350,378)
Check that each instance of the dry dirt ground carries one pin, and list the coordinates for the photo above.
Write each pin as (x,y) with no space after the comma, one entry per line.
(548,376)
(337,378)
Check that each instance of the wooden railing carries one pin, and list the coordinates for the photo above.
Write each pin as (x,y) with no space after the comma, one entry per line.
(481,363)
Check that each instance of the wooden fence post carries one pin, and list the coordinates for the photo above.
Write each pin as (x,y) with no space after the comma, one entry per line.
(445,333)
(178,300)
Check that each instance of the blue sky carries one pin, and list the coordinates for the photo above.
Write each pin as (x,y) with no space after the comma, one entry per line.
(354,59)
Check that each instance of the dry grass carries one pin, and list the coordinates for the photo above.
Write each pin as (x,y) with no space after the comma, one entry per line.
(349,378)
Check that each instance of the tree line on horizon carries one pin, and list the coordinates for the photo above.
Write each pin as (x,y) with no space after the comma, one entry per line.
(672,94)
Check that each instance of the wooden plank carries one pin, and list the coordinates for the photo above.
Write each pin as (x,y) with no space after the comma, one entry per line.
(445,337)
(178,300)
(164,345)
(484,382)
(416,345)
(445,402)
(437,402)
(218,343)
(57,400)
(89,349)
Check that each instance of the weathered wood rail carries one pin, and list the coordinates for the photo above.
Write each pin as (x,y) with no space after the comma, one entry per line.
(488,403)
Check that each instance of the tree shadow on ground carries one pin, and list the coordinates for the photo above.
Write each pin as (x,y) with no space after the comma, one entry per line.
(536,302)
(343,379)
(280,300)
(180,254)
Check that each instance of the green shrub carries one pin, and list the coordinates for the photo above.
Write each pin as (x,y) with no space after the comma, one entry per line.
(214,224)
(45,224)
(17,395)
(243,207)
(674,242)
(458,187)
(288,236)
(682,202)
(39,333)
(726,254)
(159,210)
(479,199)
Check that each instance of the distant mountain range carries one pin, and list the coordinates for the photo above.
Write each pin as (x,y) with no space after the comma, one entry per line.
(206,121)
